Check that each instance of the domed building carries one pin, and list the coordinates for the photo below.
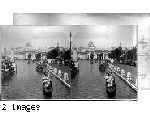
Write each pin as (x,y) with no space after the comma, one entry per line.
(23,52)
(85,52)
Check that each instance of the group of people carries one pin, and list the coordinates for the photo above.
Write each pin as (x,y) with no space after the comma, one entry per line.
(110,78)
(47,77)
(8,65)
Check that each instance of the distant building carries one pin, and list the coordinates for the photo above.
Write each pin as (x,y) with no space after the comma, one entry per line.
(23,52)
(85,52)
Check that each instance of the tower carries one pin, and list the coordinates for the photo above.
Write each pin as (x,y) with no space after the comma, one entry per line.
(28,44)
(5,50)
(12,54)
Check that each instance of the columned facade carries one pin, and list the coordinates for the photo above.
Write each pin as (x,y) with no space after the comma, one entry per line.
(85,52)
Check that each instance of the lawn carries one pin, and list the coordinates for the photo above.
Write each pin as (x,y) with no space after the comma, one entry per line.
(63,70)
(127,68)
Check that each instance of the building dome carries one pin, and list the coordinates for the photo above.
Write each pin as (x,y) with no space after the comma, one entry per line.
(28,44)
(91,46)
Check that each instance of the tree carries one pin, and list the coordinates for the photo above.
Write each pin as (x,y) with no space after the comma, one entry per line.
(132,54)
(49,55)
(55,52)
(67,55)
(135,53)
(116,53)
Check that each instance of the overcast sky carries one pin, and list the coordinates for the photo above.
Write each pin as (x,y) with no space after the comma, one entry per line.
(38,36)
(106,36)
(49,36)
(80,19)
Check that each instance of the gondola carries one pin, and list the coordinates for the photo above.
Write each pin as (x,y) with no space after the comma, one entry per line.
(91,61)
(102,67)
(8,72)
(111,87)
(39,68)
(47,85)
(73,68)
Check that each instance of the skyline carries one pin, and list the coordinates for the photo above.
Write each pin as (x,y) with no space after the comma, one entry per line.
(49,36)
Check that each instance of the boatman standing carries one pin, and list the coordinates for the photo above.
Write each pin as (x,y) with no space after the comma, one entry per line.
(109,77)
(14,66)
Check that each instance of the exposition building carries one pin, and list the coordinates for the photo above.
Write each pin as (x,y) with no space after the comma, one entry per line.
(85,52)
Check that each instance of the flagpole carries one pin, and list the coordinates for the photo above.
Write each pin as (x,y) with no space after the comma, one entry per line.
(70,49)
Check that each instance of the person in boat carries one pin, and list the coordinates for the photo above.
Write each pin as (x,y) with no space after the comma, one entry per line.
(6,66)
(109,76)
(46,76)
(13,66)
(3,66)
(47,79)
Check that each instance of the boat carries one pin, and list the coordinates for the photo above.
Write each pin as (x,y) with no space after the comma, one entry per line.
(39,68)
(111,86)
(47,84)
(47,87)
(7,71)
(91,61)
(102,67)
(74,68)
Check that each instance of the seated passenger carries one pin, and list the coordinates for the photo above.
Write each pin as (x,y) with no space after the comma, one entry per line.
(109,77)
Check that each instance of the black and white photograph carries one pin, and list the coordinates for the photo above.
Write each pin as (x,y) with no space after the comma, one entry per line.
(74,56)
(69,62)
(105,62)
(142,20)
(35,62)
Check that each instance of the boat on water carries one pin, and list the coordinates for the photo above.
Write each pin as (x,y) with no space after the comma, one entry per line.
(39,67)
(47,84)
(91,61)
(102,66)
(7,73)
(74,67)
(47,87)
(8,68)
(110,84)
